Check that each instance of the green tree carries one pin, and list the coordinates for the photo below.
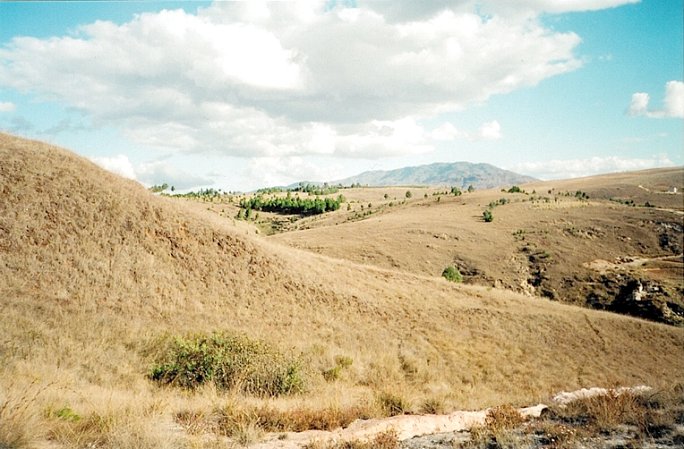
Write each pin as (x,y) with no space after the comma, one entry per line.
(408,194)
(471,189)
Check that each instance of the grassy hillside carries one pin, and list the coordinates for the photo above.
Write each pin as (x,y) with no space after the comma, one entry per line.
(592,242)
(96,273)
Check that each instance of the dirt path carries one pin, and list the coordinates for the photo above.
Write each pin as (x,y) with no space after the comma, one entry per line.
(626,262)
(419,431)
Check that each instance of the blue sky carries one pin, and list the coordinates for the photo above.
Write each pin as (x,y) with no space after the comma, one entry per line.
(241,95)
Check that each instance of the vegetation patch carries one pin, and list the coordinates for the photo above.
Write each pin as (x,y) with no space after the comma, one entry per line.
(230,362)
(452,274)
(487,216)
(292,205)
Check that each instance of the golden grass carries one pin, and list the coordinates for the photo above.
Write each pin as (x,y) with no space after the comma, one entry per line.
(95,272)
(384,440)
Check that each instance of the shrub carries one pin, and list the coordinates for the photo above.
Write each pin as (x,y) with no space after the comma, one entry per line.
(229,362)
(408,194)
(487,216)
(452,274)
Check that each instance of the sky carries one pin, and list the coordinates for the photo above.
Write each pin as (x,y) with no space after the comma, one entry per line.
(243,95)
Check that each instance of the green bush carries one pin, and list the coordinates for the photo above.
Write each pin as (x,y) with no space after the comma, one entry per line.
(452,274)
(487,216)
(229,362)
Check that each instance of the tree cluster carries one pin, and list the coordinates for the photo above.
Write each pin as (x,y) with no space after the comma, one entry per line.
(313,189)
(292,205)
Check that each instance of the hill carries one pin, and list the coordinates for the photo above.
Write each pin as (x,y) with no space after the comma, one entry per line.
(595,242)
(97,274)
(459,174)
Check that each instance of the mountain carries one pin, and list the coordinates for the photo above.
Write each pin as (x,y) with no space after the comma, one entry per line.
(460,174)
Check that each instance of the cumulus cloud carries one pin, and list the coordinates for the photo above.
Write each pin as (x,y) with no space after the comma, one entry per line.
(420,10)
(673,103)
(490,131)
(7,106)
(558,6)
(447,132)
(150,173)
(283,171)
(286,79)
(119,164)
(575,168)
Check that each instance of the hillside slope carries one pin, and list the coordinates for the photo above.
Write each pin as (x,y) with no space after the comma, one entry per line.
(94,270)
(594,242)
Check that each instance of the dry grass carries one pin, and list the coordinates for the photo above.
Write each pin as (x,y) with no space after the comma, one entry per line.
(425,236)
(640,418)
(384,440)
(18,418)
(232,418)
(652,414)
(500,430)
(96,272)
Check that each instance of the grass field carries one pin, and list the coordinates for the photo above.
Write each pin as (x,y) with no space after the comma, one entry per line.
(97,275)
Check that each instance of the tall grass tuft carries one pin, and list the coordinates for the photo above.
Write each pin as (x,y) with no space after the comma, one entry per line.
(18,421)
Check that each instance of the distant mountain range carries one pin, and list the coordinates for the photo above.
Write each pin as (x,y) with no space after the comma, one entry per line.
(460,174)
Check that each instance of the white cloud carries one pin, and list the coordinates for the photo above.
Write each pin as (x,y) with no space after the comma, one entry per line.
(575,168)
(421,10)
(7,106)
(559,6)
(673,104)
(119,164)
(150,173)
(447,132)
(490,131)
(674,99)
(280,79)
(283,171)
(160,172)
